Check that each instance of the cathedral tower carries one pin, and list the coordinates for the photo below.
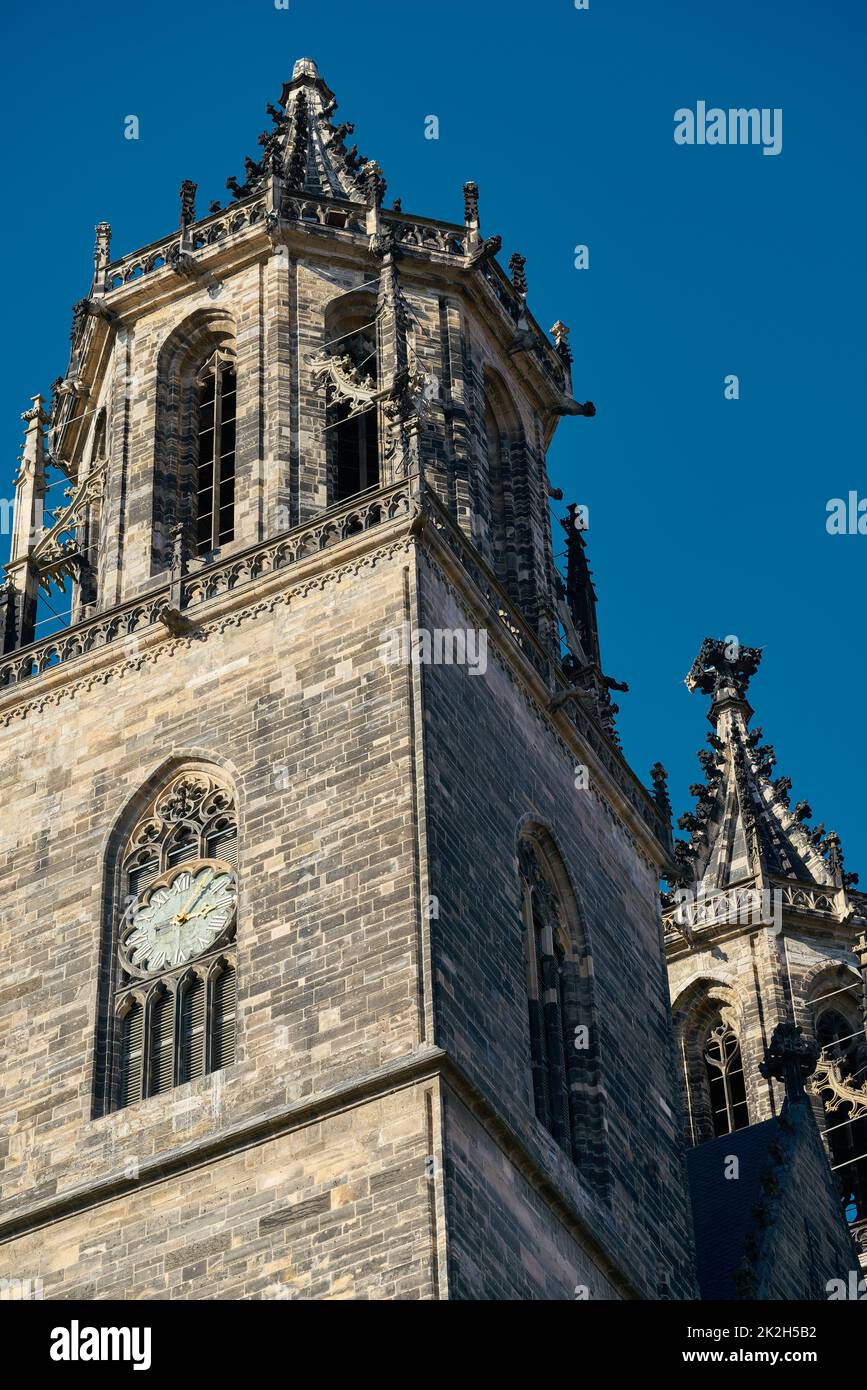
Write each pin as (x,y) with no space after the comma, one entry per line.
(331,956)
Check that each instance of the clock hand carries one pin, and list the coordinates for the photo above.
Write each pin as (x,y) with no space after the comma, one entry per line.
(196,896)
(201,912)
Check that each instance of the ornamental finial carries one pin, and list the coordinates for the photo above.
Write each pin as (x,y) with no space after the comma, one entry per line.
(517,263)
(304,67)
(790,1058)
(723,667)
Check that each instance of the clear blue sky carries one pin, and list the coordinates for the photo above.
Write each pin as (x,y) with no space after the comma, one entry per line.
(706,516)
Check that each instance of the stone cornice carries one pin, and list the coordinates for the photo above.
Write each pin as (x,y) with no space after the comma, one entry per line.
(337,543)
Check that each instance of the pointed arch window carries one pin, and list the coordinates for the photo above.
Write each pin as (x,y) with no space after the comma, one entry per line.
(196,462)
(215,460)
(725,1077)
(174,1011)
(562,1024)
(842,1042)
(349,370)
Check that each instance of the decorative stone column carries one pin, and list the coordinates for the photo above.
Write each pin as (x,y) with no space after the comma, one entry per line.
(471,215)
(101,257)
(27,526)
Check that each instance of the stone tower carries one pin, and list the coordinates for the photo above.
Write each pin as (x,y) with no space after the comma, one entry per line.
(331,955)
(764,930)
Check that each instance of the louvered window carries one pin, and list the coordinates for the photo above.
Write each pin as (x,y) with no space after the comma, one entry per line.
(162,1043)
(142,875)
(193,1030)
(222,843)
(185,847)
(224,1019)
(132,1039)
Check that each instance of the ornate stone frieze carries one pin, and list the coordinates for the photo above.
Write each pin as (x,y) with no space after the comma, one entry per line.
(836,1087)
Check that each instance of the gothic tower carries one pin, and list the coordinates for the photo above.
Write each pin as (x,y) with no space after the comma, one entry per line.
(331,955)
(764,930)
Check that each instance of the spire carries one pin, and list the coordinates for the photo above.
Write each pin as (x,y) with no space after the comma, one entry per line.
(304,149)
(743,828)
(577,613)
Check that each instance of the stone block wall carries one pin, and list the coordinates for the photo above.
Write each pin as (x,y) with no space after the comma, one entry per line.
(493,764)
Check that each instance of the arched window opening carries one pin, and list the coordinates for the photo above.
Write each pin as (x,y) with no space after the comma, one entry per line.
(143,869)
(183,845)
(195,460)
(497,465)
(174,1013)
(725,1076)
(89,526)
(221,840)
(351,425)
(97,452)
(508,543)
(561,1017)
(215,463)
(708,1027)
(842,1041)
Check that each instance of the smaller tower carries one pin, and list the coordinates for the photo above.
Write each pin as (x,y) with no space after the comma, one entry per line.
(761,933)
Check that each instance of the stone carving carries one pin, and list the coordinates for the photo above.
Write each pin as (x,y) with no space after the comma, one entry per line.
(517,262)
(184,798)
(723,665)
(837,1088)
(790,1058)
(659,777)
(346,383)
(187,196)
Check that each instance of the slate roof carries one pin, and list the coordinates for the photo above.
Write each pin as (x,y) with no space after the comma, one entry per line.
(722,1208)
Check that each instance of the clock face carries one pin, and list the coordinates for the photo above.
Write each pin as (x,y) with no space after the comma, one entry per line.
(185,913)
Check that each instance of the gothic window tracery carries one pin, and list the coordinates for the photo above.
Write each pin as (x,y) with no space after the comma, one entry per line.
(709,1030)
(348,368)
(843,1049)
(173,1006)
(563,1033)
(725,1075)
(507,475)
